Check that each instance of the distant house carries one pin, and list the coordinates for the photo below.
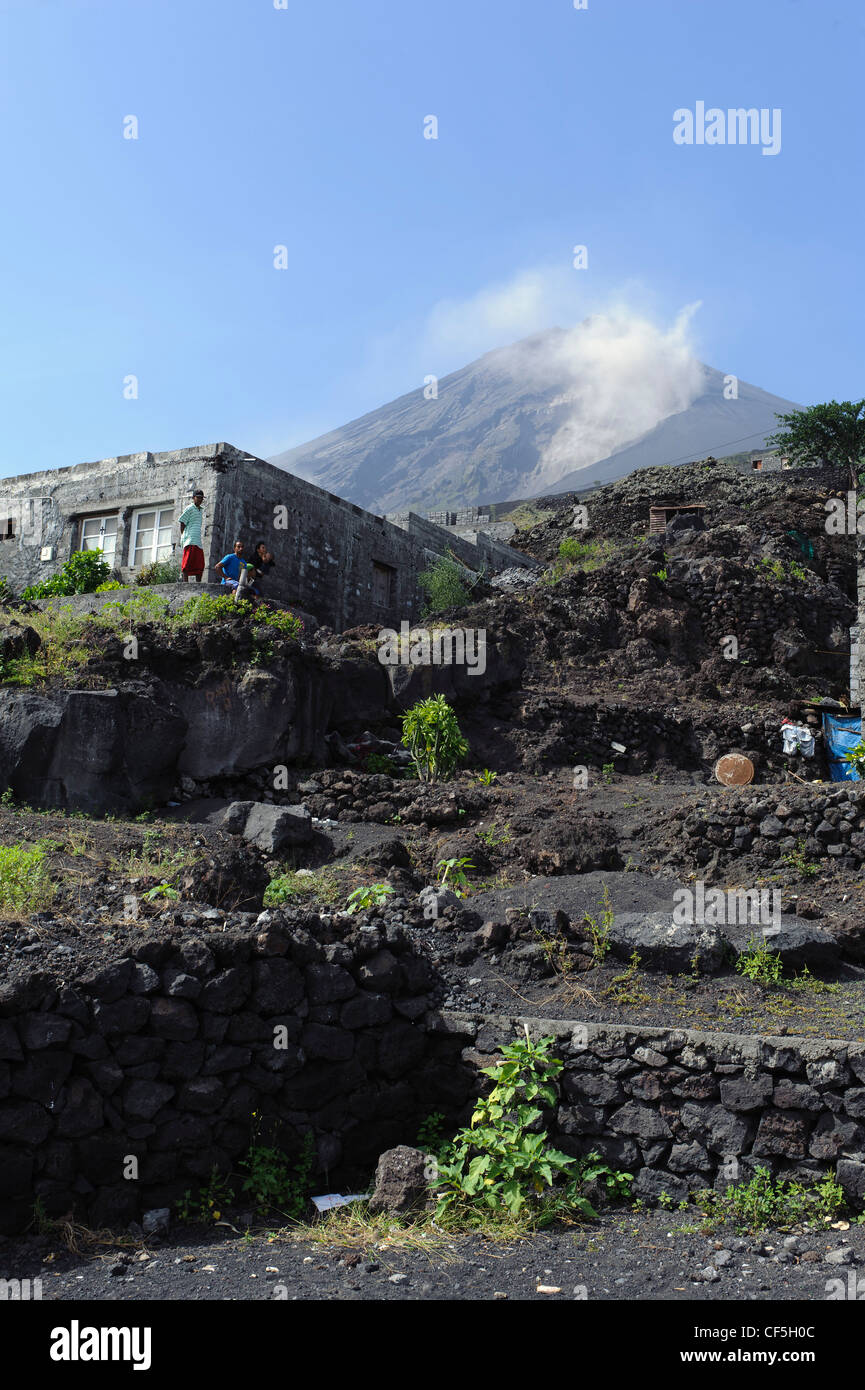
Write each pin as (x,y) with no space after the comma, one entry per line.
(768,461)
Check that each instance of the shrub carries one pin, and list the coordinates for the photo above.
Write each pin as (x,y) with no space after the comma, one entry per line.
(108,586)
(444,586)
(25,882)
(286,624)
(765,1201)
(274,1182)
(158,572)
(205,608)
(432,736)
(759,964)
(82,573)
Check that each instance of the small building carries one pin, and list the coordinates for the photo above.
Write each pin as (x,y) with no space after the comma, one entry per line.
(768,461)
(660,513)
(345,565)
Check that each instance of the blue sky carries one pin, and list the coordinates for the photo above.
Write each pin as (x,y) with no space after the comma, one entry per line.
(303,127)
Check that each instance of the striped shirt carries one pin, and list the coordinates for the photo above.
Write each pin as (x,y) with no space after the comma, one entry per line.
(192,519)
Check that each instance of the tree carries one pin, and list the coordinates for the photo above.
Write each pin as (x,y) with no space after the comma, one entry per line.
(834,431)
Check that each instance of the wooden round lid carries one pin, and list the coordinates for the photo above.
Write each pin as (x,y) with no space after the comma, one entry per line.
(734,770)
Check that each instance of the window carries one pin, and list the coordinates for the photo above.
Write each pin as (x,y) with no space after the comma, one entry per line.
(7,529)
(382,585)
(100,533)
(151,535)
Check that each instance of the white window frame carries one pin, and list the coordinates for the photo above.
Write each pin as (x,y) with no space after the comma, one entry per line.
(109,557)
(158,508)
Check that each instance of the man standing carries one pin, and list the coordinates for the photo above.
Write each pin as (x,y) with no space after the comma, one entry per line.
(190,533)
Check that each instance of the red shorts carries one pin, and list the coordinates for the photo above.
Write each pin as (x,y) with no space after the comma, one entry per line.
(193,560)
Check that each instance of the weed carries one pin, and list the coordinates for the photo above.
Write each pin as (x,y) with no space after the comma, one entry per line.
(492,837)
(796,859)
(25,881)
(765,1201)
(759,964)
(598,929)
(458,878)
(486,778)
(372,895)
(607,773)
(207,1205)
(274,1182)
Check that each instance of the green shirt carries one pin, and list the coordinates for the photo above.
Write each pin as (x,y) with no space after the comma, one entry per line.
(192,519)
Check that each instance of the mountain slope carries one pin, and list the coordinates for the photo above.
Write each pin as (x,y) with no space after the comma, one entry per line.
(497,423)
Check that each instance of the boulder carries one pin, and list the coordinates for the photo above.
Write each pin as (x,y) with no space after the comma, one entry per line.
(97,751)
(665,945)
(275,828)
(400,1182)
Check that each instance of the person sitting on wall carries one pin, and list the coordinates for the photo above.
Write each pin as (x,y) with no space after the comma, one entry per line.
(264,562)
(230,566)
(192,563)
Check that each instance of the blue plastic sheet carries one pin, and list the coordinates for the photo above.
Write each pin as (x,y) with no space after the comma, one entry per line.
(841,735)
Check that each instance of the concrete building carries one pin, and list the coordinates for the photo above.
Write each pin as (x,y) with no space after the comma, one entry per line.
(333,559)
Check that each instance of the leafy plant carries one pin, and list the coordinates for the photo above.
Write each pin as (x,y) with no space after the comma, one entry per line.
(82,573)
(598,928)
(430,1134)
(158,572)
(455,868)
(796,858)
(432,736)
(764,1201)
(661,574)
(373,895)
(25,881)
(206,608)
(444,585)
(108,586)
(6,595)
(607,772)
(502,1160)
(273,1181)
(759,964)
(486,778)
(209,1202)
(380,763)
(287,624)
(162,890)
(493,837)
(855,756)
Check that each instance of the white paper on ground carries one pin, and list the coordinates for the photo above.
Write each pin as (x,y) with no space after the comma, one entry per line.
(334,1199)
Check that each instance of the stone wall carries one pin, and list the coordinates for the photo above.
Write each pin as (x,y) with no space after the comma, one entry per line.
(684,1110)
(155,1063)
(344,564)
(825,825)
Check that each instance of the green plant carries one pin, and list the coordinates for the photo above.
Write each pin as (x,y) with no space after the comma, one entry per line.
(25,881)
(430,1134)
(458,877)
(855,756)
(598,929)
(432,736)
(502,1160)
(660,574)
(158,572)
(288,625)
(273,1181)
(759,964)
(206,608)
(591,1168)
(773,567)
(444,585)
(796,858)
(486,778)
(82,573)
(162,890)
(6,595)
(493,837)
(380,763)
(108,586)
(209,1202)
(764,1201)
(607,772)
(372,895)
